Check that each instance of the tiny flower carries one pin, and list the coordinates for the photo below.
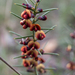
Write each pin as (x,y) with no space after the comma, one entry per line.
(43,18)
(39,9)
(72,35)
(41,51)
(26,14)
(26,63)
(36,58)
(69,48)
(27,24)
(41,68)
(36,45)
(22,22)
(71,66)
(40,35)
(33,63)
(32,53)
(41,60)
(23,57)
(35,27)
(24,49)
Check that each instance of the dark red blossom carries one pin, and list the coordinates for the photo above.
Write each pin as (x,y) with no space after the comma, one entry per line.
(32,53)
(26,63)
(32,44)
(35,27)
(26,14)
(71,66)
(40,35)
(43,18)
(24,49)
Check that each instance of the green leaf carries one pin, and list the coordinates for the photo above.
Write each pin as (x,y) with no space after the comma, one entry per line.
(16,15)
(27,1)
(39,52)
(24,37)
(36,72)
(18,66)
(45,45)
(48,10)
(15,33)
(51,9)
(19,56)
(50,29)
(50,68)
(32,2)
(51,54)
(21,5)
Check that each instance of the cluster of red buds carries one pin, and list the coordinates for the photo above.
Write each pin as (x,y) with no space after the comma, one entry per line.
(70,49)
(71,66)
(30,49)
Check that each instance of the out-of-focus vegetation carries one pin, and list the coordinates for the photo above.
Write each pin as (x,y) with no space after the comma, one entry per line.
(59,38)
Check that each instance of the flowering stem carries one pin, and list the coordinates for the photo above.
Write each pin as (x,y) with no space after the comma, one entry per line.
(9,66)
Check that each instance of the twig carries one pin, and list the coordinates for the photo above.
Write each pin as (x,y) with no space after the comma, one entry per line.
(9,65)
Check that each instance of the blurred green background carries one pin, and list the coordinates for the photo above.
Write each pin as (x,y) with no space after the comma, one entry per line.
(58,38)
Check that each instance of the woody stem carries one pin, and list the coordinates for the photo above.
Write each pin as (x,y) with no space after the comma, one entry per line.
(9,66)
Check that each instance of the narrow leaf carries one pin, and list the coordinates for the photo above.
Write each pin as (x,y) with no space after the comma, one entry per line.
(39,52)
(50,29)
(22,5)
(23,37)
(32,2)
(50,68)
(16,15)
(27,1)
(51,9)
(36,72)
(19,56)
(18,66)
(45,45)
(15,33)
(51,54)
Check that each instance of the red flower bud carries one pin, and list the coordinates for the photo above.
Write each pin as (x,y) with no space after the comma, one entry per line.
(24,49)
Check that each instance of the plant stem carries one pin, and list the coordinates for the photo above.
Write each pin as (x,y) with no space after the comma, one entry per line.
(9,66)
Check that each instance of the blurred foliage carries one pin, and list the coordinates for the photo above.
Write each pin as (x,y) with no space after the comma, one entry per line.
(64,18)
